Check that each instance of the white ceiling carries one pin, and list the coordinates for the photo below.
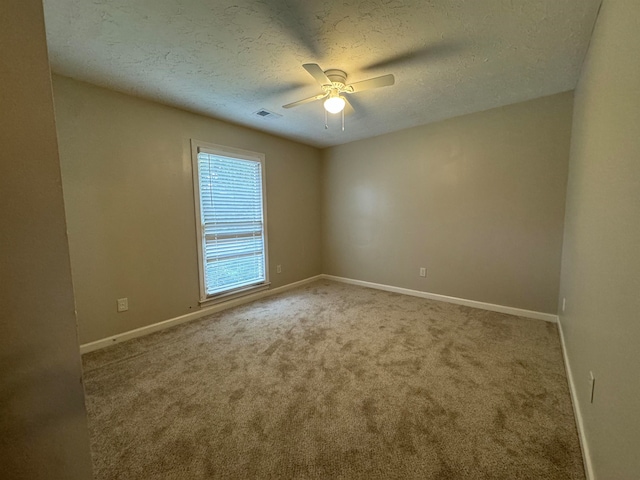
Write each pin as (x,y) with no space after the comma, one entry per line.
(229,58)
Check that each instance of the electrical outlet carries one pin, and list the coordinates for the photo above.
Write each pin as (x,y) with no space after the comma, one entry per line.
(123,304)
(564,304)
(592,380)
(423,272)
(278,268)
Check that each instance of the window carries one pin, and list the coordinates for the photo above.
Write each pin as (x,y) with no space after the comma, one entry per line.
(230,219)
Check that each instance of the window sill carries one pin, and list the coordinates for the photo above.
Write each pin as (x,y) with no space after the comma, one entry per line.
(225,297)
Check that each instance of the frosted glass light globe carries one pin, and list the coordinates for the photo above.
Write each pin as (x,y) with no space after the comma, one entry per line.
(334,104)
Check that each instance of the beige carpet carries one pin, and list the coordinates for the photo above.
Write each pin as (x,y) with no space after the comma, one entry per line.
(331,381)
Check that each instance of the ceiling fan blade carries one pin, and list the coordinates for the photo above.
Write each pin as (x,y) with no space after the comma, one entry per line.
(348,108)
(316,72)
(383,81)
(306,100)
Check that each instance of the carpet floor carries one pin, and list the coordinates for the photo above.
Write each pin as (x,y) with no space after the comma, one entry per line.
(333,381)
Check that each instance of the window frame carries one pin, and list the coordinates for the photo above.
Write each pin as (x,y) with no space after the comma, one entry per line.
(198,146)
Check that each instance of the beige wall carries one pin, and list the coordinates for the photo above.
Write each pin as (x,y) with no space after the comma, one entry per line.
(601,257)
(43,429)
(478,200)
(126,169)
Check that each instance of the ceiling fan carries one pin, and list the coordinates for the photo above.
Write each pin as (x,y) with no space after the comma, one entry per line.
(335,88)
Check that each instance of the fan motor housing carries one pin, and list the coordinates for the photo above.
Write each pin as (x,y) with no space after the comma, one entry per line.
(337,77)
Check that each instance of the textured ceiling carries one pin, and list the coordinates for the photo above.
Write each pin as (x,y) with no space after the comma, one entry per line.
(229,58)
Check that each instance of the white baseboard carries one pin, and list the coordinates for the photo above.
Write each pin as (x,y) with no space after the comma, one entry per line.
(547,317)
(586,456)
(203,312)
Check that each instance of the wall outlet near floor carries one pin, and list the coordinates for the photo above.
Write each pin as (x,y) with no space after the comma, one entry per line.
(564,304)
(592,380)
(278,268)
(123,304)
(423,272)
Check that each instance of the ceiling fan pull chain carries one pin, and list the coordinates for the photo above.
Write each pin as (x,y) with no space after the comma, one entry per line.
(326,126)
(343,119)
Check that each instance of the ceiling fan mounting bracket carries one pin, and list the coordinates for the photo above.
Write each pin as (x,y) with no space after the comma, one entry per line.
(338,77)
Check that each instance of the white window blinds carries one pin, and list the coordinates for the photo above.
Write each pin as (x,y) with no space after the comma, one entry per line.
(232,223)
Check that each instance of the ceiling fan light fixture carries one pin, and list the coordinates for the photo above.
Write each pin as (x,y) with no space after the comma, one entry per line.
(335,103)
